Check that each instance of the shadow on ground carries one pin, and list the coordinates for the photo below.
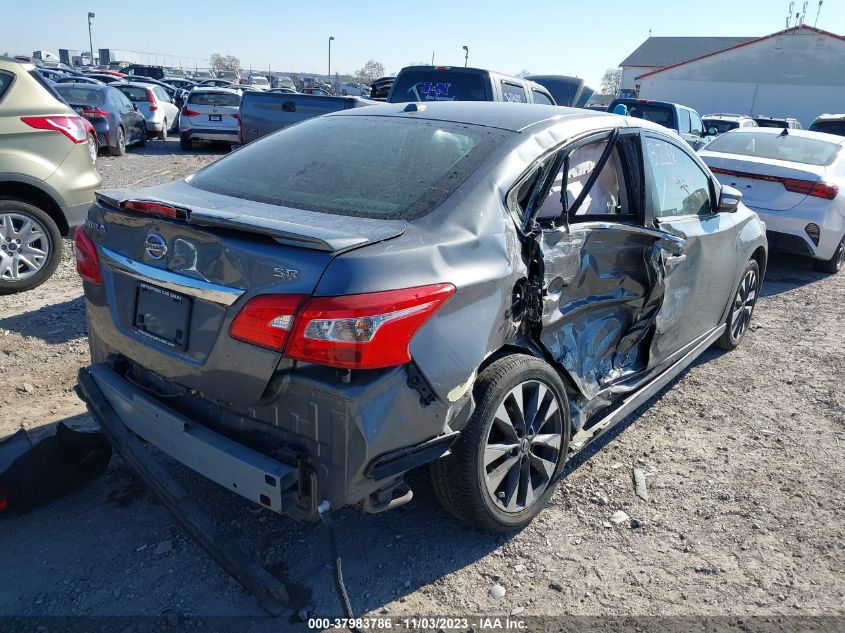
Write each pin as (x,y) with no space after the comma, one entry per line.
(787,272)
(171,147)
(54,324)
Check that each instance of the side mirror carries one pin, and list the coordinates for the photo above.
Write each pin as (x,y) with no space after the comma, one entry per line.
(729,199)
(712,131)
(135,107)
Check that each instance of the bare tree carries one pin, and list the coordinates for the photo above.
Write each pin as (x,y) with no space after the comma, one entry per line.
(611,81)
(224,62)
(523,73)
(371,71)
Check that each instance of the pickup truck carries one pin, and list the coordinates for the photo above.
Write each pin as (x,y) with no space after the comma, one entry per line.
(264,112)
(685,121)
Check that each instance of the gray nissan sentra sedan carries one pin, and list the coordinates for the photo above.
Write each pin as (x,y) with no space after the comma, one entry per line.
(481,287)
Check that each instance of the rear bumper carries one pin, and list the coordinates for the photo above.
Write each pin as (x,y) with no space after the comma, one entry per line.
(210,134)
(787,230)
(257,477)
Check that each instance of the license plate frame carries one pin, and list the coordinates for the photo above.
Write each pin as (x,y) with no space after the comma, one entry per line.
(215,118)
(152,305)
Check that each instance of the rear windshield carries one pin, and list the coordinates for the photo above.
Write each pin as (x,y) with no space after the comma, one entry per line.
(135,94)
(771,123)
(438,85)
(410,165)
(721,125)
(829,127)
(797,149)
(661,114)
(80,96)
(214,98)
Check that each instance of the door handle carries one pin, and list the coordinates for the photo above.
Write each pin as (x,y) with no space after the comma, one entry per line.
(674,260)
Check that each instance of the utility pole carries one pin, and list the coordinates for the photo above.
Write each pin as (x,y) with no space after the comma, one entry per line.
(331,37)
(90,39)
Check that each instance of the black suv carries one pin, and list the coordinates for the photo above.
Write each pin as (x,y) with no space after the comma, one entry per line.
(451,83)
(154,72)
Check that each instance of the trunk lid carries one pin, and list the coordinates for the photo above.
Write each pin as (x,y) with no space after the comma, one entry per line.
(761,180)
(172,287)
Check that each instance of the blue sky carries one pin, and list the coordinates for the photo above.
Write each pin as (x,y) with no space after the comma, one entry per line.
(544,36)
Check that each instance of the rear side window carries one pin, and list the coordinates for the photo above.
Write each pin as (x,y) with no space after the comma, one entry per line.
(539,97)
(80,96)
(435,85)
(214,99)
(135,95)
(5,82)
(660,114)
(513,93)
(721,125)
(829,127)
(412,165)
(797,149)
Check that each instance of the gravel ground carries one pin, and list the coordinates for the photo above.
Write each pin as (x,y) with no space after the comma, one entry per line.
(743,458)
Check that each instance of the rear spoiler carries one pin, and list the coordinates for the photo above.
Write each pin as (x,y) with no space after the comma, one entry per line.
(341,237)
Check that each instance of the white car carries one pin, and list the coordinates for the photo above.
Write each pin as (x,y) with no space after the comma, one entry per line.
(259,82)
(829,124)
(155,104)
(716,124)
(353,90)
(794,180)
(209,114)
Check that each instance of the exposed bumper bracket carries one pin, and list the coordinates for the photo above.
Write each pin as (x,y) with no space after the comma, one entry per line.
(271,594)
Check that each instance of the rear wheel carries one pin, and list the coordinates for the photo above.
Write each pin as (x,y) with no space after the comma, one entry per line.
(742,307)
(119,147)
(162,136)
(835,263)
(185,143)
(30,246)
(144,133)
(92,148)
(507,462)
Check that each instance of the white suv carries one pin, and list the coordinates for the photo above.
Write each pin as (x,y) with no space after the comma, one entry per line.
(716,124)
(209,114)
(829,124)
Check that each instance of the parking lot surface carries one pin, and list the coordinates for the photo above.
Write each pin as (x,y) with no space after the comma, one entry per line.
(744,457)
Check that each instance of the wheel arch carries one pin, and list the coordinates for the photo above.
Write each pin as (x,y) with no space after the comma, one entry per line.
(760,256)
(37,196)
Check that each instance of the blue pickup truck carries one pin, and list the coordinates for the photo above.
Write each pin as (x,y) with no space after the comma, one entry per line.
(683,120)
(265,112)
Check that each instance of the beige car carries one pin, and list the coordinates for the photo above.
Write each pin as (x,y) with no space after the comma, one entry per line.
(47,175)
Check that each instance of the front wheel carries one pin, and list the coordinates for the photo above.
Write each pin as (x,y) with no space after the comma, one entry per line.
(835,263)
(30,246)
(742,307)
(507,462)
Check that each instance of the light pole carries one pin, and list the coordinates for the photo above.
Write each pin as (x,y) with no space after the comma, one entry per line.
(331,37)
(466,55)
(90,40)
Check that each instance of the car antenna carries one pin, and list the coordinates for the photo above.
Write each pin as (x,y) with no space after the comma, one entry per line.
(785,132)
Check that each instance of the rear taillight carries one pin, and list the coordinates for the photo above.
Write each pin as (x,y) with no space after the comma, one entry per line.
(815,188)
(152,99)
(266,320)
(155,208)
(95,112)
(366,331)
(87,260)
(188,113)
(71,126)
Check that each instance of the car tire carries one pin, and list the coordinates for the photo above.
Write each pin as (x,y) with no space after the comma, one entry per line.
(93,148)
(162,136)
(835,263)
(185,143)
(742,307)
(14,213)
(119,148)
(144,136)
(501,471)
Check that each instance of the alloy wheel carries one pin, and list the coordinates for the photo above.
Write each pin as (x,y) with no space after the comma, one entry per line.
(24,246)
(121,140)
(523,446)
(743,304)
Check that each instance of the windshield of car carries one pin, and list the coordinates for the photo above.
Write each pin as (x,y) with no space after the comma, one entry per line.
(793,148)
(771,123)
(80,96)
(829,127)
(260,81)
(437,85)
(135,94)
(214,98)
(721,125)
(412,165)
(661,114)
